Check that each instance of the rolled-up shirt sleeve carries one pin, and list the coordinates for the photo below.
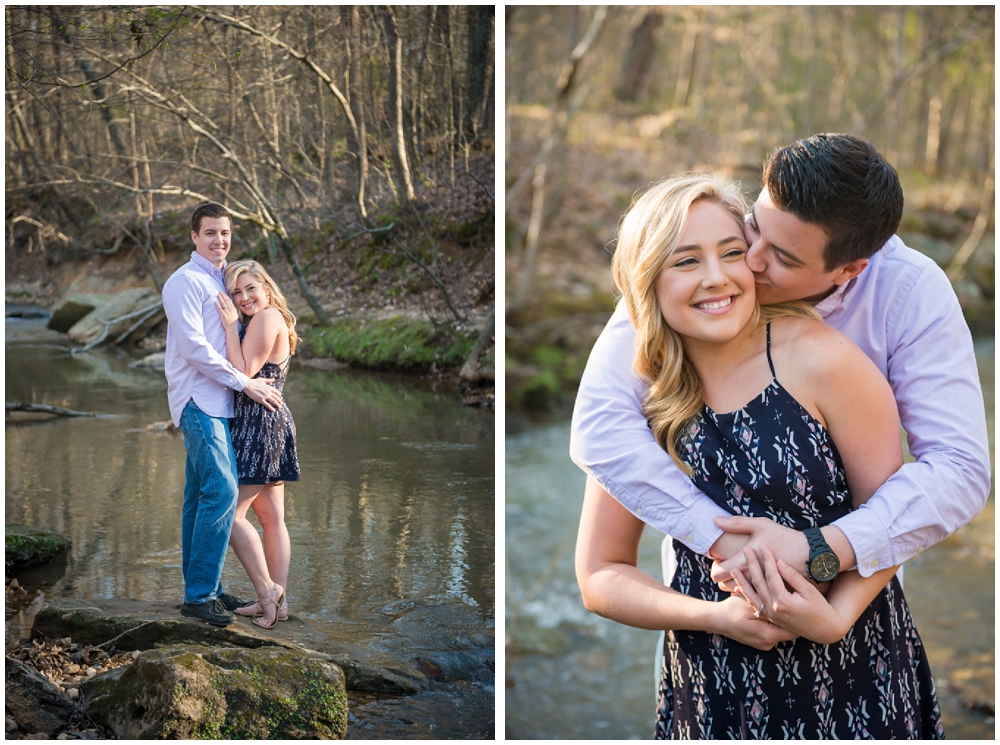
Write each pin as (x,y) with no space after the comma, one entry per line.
(182,303)
(933,372)
(611,440)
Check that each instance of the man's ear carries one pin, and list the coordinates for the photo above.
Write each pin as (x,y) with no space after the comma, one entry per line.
(194,237)
(849,271)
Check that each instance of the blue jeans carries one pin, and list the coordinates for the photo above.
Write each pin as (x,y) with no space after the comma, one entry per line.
(210,491)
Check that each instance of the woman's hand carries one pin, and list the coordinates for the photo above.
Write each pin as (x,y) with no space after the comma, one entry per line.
(738,622)
(227,311)
(789,599)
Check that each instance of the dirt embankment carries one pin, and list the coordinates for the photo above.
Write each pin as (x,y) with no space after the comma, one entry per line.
(418,311)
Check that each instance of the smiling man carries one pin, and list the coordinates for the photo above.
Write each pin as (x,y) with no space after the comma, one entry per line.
(200,385)
(822,230)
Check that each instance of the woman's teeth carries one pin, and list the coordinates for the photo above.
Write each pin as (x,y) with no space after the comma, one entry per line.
(717,304)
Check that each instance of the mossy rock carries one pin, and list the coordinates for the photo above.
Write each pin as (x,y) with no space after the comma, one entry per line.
(201,693)
(26,546)
(141,625)
(394,343)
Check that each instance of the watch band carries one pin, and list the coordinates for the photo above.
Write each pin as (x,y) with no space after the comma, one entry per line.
(823,564)
(817,543)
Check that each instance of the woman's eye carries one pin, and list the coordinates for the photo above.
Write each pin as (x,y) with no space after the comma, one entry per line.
(735,253)
(686,262)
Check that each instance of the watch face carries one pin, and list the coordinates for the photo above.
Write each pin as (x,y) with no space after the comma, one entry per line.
(824,567)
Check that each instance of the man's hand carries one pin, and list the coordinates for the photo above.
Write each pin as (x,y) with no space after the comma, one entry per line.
(261,391)
(788,544)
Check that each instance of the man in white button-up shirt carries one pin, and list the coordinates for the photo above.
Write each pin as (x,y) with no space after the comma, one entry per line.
(806,234)
(200,385)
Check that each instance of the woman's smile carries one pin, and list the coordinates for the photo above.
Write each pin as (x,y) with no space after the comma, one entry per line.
(717,306)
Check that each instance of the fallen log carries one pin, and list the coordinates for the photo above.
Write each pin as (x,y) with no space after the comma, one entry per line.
(472,371)
(57,410)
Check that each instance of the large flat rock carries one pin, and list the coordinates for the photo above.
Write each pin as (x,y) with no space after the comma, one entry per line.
(118,315)
(208,693)
(72,308)
(137,624)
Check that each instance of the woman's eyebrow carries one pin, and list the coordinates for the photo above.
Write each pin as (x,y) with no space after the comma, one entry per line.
(696,247)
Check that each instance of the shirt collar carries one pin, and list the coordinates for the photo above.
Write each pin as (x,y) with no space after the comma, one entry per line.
(827,305)
(198,260)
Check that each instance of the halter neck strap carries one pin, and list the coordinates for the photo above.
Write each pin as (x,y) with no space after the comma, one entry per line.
(769,363)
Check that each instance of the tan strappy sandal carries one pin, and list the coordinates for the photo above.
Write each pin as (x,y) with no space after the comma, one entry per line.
(275,597)
(254,610)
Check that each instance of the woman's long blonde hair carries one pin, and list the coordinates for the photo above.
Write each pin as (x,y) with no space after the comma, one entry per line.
(277,300)
(648,235)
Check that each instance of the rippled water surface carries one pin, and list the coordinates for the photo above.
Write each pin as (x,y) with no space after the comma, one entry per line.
(571,674)
(396,501)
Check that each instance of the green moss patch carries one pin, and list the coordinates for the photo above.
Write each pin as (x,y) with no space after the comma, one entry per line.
(26,546)
(394,343)
(200,693)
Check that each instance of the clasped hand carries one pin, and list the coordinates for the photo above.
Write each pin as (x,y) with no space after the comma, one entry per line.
(788,599)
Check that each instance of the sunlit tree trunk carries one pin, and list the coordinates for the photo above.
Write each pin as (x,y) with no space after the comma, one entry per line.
(356,139)
(395,44)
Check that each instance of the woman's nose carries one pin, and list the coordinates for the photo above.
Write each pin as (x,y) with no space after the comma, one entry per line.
(715,274)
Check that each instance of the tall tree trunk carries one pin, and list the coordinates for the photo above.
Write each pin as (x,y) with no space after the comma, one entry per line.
(395,44)
(685,72)
(479,67)
(286,248)
(455,111)
(352,19)
(417,102)
(636,71)
(95,84)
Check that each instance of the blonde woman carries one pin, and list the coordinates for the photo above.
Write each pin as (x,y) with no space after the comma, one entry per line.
(264,441)
(773,414)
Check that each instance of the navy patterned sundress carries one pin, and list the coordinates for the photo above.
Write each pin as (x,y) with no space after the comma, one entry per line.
(773,459)
(264,440)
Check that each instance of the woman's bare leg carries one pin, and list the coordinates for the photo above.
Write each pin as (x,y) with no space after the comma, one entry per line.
(246,543)
(270,510)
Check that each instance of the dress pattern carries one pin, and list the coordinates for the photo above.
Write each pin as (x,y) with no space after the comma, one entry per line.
(773,459)
(264,441)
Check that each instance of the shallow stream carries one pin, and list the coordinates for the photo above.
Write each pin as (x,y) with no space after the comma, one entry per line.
(395,508)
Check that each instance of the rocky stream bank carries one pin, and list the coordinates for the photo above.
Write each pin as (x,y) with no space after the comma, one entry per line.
(129,669)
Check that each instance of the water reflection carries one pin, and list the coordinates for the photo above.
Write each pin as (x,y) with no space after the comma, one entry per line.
(396,500)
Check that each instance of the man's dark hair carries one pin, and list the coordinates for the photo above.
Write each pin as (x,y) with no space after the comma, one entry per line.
(842,184)
(208,209)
